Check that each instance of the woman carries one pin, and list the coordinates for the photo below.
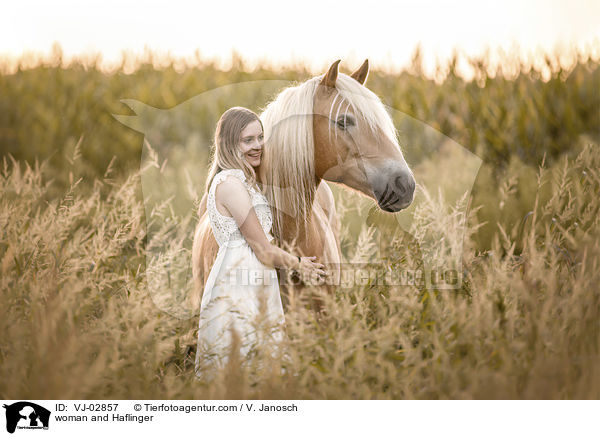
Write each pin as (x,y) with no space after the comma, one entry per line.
(242,283)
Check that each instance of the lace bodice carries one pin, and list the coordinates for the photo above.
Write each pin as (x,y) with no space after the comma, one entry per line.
(225,228)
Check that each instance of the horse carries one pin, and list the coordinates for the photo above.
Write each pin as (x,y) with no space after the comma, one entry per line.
(328,128)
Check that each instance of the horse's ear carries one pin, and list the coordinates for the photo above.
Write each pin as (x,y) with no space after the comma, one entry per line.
(331,76)
(360,75)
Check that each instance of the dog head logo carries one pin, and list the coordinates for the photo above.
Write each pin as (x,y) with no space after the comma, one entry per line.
(26,415)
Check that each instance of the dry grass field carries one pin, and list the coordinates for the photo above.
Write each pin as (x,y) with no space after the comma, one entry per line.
(77,320)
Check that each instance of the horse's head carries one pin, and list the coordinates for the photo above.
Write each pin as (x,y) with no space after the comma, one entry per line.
(355,140)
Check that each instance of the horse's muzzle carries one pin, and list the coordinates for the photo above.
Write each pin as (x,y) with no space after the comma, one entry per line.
(397,192)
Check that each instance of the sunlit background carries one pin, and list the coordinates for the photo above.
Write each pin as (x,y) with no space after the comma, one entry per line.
(311,32)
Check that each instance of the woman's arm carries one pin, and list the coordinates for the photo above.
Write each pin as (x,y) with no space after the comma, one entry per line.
(233,196)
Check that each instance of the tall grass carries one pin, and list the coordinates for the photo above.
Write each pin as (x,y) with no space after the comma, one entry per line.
(78,322)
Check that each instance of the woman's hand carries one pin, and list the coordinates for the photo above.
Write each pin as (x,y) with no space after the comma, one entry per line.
(309,268)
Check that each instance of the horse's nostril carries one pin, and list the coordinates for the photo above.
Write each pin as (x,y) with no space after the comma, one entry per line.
(400,184)
(405,184)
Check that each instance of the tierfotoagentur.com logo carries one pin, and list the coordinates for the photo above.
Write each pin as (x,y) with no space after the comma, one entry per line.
(351,275)
(25,415)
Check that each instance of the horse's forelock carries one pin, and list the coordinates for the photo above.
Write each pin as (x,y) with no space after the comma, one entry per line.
(366,105)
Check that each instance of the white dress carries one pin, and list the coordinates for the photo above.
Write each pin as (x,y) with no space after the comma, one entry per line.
(238,286)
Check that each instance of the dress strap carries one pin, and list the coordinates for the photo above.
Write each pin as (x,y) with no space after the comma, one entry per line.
(221,175)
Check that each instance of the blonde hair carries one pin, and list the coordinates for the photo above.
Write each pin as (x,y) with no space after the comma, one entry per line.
(227,137)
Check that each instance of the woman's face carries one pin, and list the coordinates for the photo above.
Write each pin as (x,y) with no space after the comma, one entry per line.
(251,143)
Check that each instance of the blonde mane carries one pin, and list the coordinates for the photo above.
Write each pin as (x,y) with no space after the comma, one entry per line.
(288,167)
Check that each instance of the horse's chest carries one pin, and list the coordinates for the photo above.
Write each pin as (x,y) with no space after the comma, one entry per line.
(325,241)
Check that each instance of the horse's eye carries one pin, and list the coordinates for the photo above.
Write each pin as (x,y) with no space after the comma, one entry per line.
(344,122)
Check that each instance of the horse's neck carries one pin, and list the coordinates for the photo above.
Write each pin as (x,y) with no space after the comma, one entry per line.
(304,235)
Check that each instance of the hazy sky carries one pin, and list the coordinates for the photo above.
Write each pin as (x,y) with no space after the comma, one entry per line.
(313,31)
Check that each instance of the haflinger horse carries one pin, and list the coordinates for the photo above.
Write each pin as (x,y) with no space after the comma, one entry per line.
(329,128)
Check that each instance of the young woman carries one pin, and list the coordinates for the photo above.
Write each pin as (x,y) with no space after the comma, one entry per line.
(242,283)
